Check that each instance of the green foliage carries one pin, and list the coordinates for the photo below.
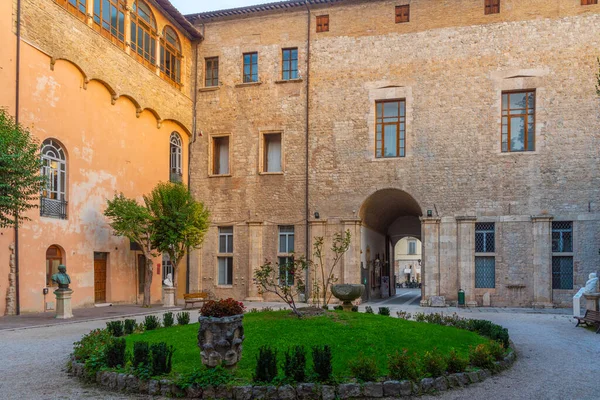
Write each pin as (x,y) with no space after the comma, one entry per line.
(294,365)
(115,328)
(286,281)
(222,308)
(434,363)
(162,356)
(168,319)
(129,326)
(218,376)
(325,307)
(90,350)
(490,330)
(364,368)
(322,368)
(114,352)
(497,350)
(338,308)
(456,363)
(369,310)
(354,308)
(183,318)
(266,365)
(20,164)
(404,366)
(141,354)
(384,311)
(403,315)
(322,272)
(481,357)
(151,322)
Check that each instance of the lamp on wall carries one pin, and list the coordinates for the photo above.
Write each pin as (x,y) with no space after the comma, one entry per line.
(429,213)
(317,216)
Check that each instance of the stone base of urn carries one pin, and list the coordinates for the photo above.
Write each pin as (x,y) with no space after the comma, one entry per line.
(220,340)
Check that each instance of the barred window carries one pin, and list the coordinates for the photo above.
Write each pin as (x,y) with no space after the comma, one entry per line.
(485,272)
(53,199)
(485,237)
(562,264)
(225,257)
(485,266)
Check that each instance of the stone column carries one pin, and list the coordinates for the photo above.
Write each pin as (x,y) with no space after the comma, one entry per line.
(542,261)
(11,291)
(168,296)
(63,303)
(430,268)
(127,12)
(255,257)
(466,258)
(351,260)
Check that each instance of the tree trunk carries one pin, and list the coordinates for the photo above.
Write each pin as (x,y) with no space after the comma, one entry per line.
(148,281)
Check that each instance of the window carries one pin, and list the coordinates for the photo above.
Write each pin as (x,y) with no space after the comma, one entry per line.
(211,75)
(143,33)
(250,67)
(272,152)
(412,247)
(588,2)
(109,19)
(562,255)
(220,155)
(518,121)
(285,254)
(323,23)
(225,257)
(167,267)
(170,55)
(402,14)
(175,161)
(391,127)
(492,7)
(54,170)
(75,7)
(485,260)
(54,258)
(290,64)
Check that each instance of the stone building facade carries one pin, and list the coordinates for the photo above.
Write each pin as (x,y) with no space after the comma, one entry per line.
(519,227)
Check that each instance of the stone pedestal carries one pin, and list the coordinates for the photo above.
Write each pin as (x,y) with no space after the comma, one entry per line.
(63,303)
(168,296)
(592,301)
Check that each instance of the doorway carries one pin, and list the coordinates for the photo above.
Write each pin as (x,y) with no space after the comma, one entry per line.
(100,277)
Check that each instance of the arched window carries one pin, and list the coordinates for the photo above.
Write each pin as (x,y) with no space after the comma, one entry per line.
(176,160)
(170,55)
(54,170)
(54,258)
(143,33)
(109,20)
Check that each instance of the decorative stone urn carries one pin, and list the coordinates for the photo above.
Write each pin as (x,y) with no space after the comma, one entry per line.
(220,340)
(347,293)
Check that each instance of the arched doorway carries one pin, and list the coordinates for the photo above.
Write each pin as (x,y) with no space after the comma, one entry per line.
(54,258)
(387,216)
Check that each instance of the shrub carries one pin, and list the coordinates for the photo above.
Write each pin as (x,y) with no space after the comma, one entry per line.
(151,323)
(338,308)
(168,319)
(217,376)
(183,318)
(368,310)
(420,317)
(456,363)
(222,308)
(253,310)
(129,326)
(354,308)
(363,368)
(162,355)
(403,315)
(115,328)
(141,354)
(481,357)
(434,319)
(91,344)
(322,368)
(497,350)
(384,311)
(434,363)
(403,366)
(266,365)
(294,365)
(489,330)
(114,352)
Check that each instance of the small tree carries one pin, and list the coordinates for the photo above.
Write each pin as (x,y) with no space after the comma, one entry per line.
(339,246)
(20,179)
(180,222)
(132,220)
(283,280)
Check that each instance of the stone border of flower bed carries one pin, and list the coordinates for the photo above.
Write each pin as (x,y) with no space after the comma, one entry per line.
(303,391)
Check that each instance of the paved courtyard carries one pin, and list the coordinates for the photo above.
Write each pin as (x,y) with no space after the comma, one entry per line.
(556,360)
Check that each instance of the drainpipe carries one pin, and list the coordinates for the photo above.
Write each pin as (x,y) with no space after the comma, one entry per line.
(306,210)
(18,59)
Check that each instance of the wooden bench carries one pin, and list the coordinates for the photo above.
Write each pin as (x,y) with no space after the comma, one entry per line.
(589,319)
(192,298)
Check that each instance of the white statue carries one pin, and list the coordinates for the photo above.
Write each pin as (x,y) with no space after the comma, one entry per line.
(591,286)
(169,281)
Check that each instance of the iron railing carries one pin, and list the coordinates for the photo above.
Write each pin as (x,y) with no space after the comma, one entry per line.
(53,208)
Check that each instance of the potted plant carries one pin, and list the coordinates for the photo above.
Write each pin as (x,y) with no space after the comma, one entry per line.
(221,332)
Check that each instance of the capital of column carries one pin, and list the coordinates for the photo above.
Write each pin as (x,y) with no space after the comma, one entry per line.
(542,218)
(466,219)
(430,220)
(254,223)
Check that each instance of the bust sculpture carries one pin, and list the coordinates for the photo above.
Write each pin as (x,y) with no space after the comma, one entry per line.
(169,281)
(62,279)
(591,286)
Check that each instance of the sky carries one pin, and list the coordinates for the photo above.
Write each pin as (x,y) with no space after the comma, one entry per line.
(196,6)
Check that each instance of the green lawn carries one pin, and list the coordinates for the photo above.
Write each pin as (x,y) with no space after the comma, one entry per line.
(348,333)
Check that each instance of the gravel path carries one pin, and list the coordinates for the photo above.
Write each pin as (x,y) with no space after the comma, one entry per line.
(556,361)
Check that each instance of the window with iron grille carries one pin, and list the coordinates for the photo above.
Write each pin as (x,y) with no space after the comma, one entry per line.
(485,260)
(285,254)
(250,67)
(225,257)
(403,14)
(290,64)
(562,261)
(323,23)
(53,200)
(518,121)
(212,72)
(390,135)
(492,7)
